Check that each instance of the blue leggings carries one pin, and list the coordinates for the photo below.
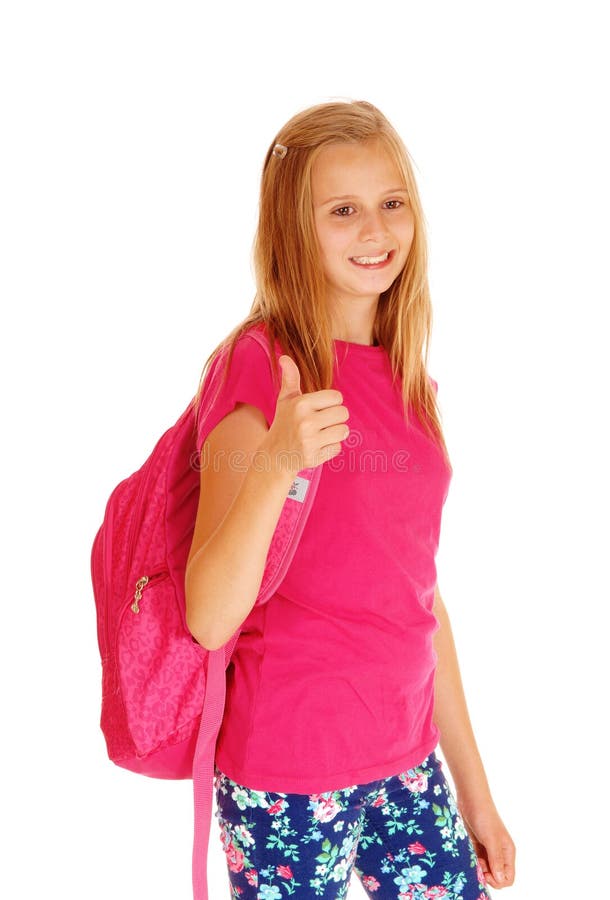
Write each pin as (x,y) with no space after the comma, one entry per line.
(402,835)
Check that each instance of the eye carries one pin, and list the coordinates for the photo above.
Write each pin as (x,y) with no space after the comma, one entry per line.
(340,210)
(398,202)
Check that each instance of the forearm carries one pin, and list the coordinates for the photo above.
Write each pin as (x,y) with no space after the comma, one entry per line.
(223,578)
(451,716)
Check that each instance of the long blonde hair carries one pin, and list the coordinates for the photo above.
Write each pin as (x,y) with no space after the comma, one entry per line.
(290,295)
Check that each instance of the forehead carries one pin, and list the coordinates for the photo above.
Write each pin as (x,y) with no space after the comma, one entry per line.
(353,168)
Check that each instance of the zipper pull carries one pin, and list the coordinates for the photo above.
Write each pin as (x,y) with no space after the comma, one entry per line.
(140,585)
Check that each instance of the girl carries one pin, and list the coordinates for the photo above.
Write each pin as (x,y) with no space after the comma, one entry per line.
(343,684)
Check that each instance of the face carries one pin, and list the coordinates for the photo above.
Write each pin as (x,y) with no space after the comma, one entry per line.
(363,220)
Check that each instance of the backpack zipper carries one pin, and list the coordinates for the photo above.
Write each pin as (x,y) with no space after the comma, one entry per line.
(141,583)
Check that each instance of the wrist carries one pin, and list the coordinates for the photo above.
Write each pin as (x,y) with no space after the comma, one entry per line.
(281,464)
(475,798)
(270,468)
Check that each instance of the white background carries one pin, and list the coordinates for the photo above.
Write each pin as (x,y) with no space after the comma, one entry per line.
(133,136)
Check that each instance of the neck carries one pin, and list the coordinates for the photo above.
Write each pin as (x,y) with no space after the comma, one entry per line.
(368,342)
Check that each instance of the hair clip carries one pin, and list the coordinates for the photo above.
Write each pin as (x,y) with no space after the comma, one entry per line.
(280,151)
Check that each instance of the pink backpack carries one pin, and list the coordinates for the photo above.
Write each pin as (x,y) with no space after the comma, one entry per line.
(163,694)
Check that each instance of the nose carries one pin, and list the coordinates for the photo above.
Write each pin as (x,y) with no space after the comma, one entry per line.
(373,226)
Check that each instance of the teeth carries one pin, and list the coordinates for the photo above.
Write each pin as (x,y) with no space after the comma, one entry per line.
(370,260)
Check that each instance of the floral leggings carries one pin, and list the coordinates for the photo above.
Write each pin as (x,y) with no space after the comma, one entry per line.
(403,836)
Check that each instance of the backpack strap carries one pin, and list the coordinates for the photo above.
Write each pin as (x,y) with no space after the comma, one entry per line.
(203,762)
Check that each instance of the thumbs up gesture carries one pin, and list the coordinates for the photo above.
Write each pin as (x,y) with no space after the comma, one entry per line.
(307,428)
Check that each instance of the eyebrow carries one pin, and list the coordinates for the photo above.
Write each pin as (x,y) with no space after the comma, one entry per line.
(398,190)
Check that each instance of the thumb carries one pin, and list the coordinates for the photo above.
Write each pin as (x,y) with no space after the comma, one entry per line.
(291,379)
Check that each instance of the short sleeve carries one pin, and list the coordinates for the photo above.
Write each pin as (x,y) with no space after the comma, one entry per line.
(249,380)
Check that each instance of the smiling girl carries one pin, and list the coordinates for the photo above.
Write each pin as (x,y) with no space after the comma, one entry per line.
(344,683)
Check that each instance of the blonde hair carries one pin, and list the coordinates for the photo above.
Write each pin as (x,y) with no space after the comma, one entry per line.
(290,284)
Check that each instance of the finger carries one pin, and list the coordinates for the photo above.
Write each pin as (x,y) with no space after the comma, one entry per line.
(488,877)
(501,863)
(291,378)
(509,862)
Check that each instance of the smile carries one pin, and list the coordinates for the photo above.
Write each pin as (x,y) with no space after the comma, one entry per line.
(372,261)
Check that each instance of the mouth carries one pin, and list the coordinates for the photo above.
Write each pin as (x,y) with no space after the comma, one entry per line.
(373,262)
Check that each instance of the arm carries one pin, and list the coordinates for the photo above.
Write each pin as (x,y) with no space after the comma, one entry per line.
(239,507)
(492,842)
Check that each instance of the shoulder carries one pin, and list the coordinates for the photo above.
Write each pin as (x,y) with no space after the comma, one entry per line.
(251,349)
(240,372)
(245,357)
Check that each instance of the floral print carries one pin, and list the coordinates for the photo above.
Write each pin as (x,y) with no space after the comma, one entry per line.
(402,835)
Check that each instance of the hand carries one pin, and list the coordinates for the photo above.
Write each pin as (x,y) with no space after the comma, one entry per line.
(492,843)
(307,428)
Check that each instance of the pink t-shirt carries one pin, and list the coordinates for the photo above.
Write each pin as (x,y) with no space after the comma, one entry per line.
(331,681)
